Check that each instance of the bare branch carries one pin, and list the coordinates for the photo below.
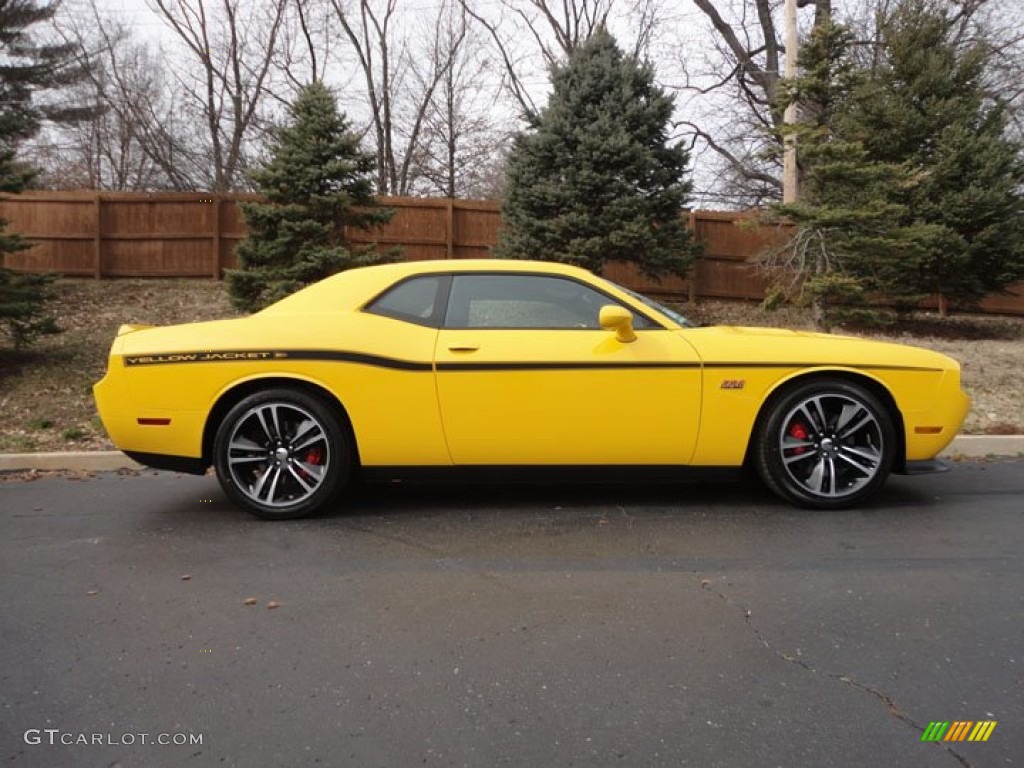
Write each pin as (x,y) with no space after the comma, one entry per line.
(234,48)
(741,166)
(513,81)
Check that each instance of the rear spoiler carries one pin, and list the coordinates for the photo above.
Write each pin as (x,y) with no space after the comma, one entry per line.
(132,328)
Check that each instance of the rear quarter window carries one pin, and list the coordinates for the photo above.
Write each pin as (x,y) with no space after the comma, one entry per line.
(412,301)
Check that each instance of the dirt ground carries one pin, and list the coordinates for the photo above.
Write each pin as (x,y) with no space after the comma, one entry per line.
(46,397)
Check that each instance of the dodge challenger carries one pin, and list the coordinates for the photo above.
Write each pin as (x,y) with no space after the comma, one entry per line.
(476,367)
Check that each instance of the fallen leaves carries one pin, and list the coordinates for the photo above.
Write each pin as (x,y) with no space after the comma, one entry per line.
(270,605)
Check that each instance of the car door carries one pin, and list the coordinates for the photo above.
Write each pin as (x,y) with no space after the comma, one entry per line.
(526,376)
(389,389)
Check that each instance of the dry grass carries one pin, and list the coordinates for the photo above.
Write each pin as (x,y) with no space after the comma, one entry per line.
(46,393)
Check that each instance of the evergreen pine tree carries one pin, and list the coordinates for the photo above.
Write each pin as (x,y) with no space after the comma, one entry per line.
(317,182)
(927,106)
(852,232)
(27,68)
(595,179)
(23,297)
(30,67)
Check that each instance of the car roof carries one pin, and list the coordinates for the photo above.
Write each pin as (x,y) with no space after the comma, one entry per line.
(475,265)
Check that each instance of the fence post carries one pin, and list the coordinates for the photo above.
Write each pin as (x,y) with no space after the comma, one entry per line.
(449,229)
(691,282)
(215,201)
(98,237)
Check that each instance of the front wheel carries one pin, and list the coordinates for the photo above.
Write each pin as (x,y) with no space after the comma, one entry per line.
(827,444)
(282,454)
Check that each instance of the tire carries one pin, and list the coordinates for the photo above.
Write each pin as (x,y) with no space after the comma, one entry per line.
(825,444)
(282,454)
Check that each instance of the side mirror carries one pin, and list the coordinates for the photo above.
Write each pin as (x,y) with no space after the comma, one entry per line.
(618,319)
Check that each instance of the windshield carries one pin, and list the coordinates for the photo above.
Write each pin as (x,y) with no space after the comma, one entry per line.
(675,316)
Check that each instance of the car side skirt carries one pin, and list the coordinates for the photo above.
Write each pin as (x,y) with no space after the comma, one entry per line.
(559,474)
(553,474)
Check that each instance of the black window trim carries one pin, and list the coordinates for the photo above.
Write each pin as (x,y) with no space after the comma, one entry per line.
(440,314)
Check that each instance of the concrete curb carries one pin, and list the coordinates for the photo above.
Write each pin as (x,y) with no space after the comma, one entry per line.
(978,446)
(73,461)
(964,446)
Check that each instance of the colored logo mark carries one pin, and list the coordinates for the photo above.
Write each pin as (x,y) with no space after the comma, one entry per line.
(959,730)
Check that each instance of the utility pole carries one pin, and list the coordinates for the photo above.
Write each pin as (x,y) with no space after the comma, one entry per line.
(790,176)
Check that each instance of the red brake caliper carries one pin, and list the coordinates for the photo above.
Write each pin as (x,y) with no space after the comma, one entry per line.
(799,431)
(313,456)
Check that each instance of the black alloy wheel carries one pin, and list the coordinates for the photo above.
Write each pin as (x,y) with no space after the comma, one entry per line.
(282,454)
(826,444)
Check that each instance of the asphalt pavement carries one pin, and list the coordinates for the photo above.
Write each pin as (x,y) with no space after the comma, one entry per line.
(705,625)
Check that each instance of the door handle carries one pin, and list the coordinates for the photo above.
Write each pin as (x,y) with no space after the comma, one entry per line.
(464,348)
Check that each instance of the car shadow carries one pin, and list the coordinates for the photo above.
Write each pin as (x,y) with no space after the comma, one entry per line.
(437,498)
(441,500)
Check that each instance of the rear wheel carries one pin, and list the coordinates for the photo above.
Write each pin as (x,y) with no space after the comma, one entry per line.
(826,444)
(282,454)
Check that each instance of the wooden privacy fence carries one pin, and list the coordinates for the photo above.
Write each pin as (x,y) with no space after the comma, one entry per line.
(113,234)
(132,234)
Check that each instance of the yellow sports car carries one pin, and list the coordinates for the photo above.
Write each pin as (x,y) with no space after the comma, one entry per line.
(483,365)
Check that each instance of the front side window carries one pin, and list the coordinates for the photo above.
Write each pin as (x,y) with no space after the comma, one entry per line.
(414,301)
(526,301)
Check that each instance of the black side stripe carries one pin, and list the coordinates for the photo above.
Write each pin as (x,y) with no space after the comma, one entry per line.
(559,366)
(574,366)
(356,357)
(378,361)
(857,366)
(274,355)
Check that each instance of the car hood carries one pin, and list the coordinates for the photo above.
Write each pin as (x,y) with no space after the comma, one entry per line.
(727,344)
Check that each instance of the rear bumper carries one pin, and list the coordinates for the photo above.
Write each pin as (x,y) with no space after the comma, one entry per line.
(186,464)
(142,431)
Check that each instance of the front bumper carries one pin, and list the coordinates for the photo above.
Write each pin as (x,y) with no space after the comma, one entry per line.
(927,467)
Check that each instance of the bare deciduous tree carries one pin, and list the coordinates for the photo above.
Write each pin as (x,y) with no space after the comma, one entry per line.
(401,72)
(306,45)
(233,45)
(733,93)
(531,35)
(459,151)
(141,137)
